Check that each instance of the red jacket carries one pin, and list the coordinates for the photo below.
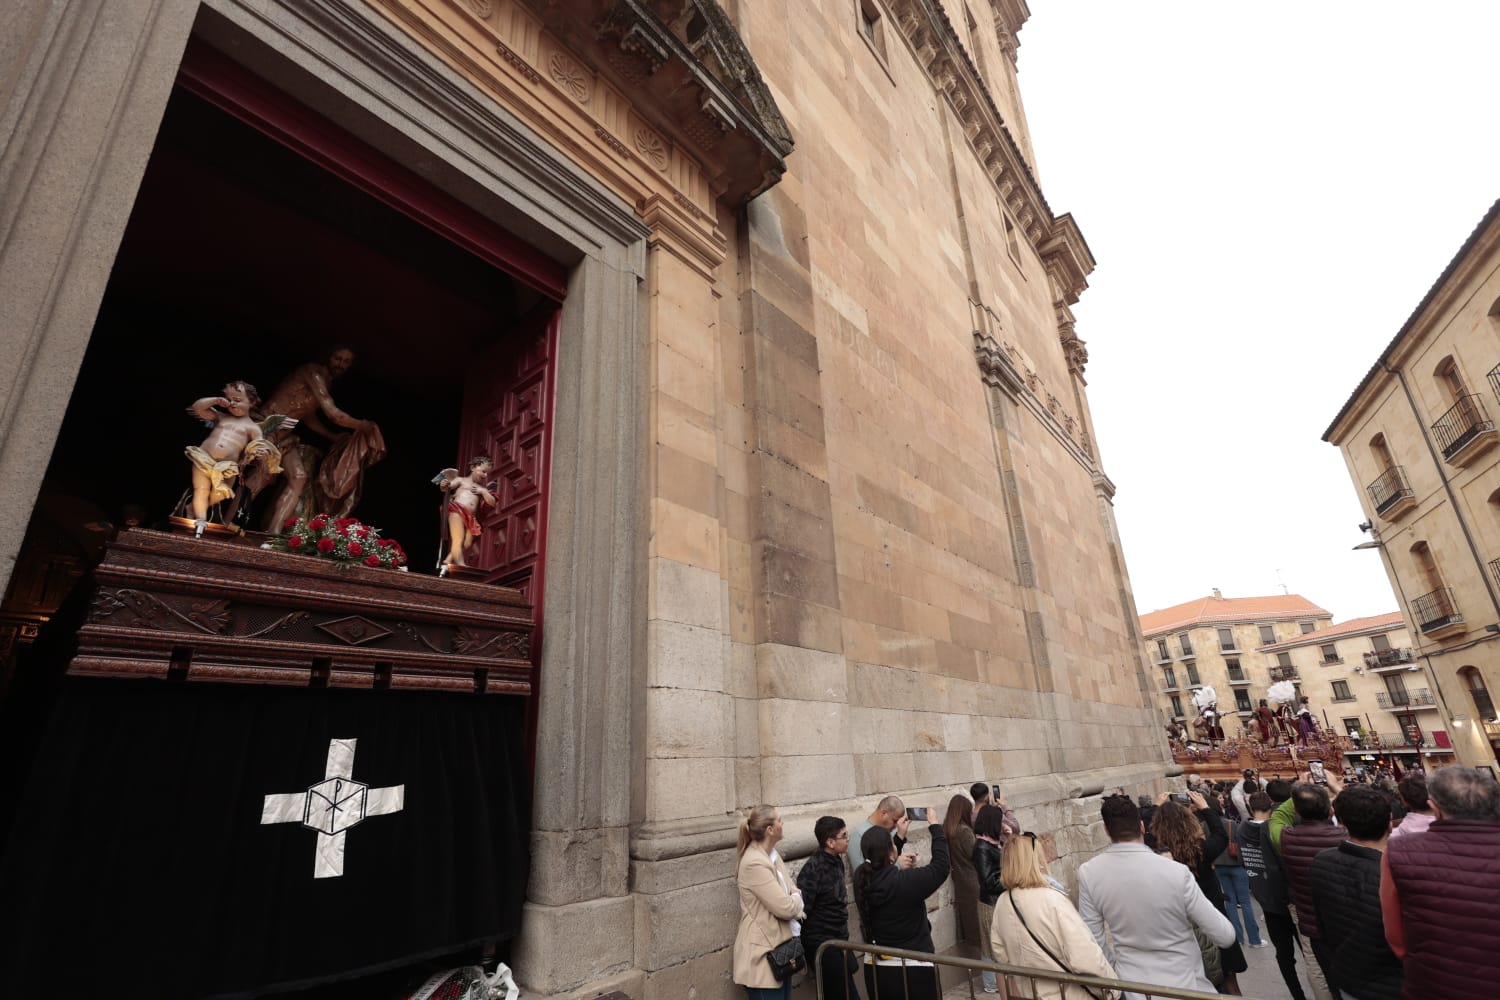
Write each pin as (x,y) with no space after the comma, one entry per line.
(1299,845)
(1447,882)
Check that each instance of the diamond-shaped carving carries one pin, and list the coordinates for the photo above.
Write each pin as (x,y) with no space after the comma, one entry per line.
(355,630)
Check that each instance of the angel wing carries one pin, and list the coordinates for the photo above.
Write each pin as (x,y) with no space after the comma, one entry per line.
(442,479)
(1205,697)
(277,422)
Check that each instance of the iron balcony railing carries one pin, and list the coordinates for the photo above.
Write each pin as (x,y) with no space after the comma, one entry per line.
(1463,422)
(1435,610)
(1495,380)
(1389,489)
(1495,570)
(1237,677)
(1388,658)
(1396,700)
(1284,674)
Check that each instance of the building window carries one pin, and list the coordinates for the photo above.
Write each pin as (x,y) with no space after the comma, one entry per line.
(1352,728)
(1330,653)
(1186,643)
(1241,700)
(1171,677)
(1380,643)
(1161,650)
(1284,660)
(1341,691)
(871,27)
(1226,640)
(1176,705)
(1484,705)
(1307,627)
(1012,243)
(1267,635)
(1193,680)
(1235,673)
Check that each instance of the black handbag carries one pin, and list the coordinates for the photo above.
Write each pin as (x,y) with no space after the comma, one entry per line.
(787,959)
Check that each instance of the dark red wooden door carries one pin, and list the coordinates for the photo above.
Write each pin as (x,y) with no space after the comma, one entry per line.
(508,416)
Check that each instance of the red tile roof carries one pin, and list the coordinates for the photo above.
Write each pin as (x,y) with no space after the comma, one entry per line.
(1221,610)
(1351,627)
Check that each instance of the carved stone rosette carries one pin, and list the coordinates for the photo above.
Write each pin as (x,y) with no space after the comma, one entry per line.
(169,607)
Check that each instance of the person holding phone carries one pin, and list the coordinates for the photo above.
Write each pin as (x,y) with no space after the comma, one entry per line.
(891,816)
(892,905)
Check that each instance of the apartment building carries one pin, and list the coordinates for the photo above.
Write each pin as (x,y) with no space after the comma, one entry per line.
(1418,436)
(1216,640)
(1363,679)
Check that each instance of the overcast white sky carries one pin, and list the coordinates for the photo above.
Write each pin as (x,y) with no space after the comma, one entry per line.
(1269,189)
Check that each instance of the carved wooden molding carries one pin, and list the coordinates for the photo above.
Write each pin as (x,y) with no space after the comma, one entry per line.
(166,605)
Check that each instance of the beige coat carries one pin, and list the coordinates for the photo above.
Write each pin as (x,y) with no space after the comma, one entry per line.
(1052,918)
(765,911)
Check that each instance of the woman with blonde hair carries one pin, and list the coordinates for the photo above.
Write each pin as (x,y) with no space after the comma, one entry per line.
(770,905)
(1036,926)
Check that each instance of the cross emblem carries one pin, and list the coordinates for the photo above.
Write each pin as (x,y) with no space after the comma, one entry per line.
(332,807)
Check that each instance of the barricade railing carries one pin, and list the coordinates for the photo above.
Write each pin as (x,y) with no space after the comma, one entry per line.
(916,975)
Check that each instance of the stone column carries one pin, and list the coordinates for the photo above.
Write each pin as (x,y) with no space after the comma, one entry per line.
(84,84)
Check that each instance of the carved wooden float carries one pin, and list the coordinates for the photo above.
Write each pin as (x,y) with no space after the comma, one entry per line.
(167,606)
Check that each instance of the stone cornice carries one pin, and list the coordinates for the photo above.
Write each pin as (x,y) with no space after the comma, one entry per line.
(1010,15)
(939,51)
(998,369)
(1068,259)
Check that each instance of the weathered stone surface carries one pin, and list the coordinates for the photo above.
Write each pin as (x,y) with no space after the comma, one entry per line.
(576,865)
(680,924)
(599,936)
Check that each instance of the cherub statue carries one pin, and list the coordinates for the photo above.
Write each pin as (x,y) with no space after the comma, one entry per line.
(236,440)
(465,493)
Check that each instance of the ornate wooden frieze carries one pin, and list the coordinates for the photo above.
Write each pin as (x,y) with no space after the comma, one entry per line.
(168,606)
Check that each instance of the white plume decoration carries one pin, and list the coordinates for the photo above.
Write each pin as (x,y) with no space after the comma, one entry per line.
(1205,698)
(1282,693)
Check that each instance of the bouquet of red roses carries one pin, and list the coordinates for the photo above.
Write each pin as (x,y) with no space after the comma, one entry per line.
(342,539)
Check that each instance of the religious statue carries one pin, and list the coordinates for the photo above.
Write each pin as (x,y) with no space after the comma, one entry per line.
(236,440)
(465,494)
(1307,726)
(1265,721)
(304,395)
(1209,723)
(1282,694)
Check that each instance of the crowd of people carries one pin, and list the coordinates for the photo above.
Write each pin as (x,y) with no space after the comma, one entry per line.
(1382,890)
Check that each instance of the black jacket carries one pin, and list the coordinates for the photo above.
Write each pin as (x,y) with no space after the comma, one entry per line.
(987,867)
(824,898)
(1345,884)
(1262,865)
(894,900)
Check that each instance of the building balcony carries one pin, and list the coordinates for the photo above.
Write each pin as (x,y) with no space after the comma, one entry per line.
(1495,571)
(1238,677)
(1329,661)
(1465,431)
(1187,654)
(1391,494)
(1494,378)
(1231,647)
(1437,616)
(1349,698)
(1160,659)
(1389,660)
(1406,701)
(1285,674)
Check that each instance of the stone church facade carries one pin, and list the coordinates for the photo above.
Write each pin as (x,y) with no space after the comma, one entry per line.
(827,517)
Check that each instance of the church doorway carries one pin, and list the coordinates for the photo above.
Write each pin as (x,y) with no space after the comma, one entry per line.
(263,238)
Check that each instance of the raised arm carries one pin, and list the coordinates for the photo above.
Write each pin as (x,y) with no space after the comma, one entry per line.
(203,409)
(319,387)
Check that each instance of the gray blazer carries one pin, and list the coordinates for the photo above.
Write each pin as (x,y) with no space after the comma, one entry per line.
(1150,905)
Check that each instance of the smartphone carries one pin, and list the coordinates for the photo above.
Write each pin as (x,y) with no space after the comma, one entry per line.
(1319,776)
(995,794)
(916,815)
(1181,798)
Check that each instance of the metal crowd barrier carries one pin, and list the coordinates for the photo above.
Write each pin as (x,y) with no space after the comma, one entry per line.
(906,980)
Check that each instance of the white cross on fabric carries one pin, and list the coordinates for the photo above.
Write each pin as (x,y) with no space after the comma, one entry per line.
(333,806)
